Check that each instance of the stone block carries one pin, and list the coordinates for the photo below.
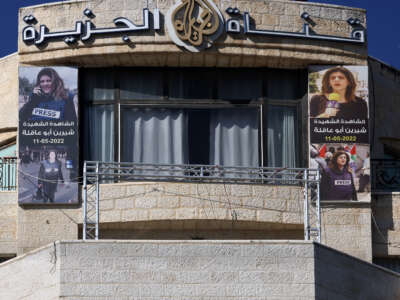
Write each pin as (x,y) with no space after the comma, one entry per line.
(313,10)
(224,277)
(215,213)
(146,202)
(106,204)
(189,277)
(178,189)
(133,190)
(244,214)
(270,20)
(186,213)
(273,204)
(292,9)
(112,191)
(252,202)
(295,206)
(124,203)
(230,202)
(219,189)
(343,219)
(169,250)
(331,13)
(283,192)
(110,216)
(162,214)
(194,201)
(239,190)
(168,202)
(269,216)
(277,8)
(292,218)
(135,215)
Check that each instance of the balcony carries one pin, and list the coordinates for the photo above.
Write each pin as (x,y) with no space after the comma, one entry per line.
(130,192)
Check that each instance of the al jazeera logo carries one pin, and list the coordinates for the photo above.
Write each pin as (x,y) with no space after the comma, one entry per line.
(194,24)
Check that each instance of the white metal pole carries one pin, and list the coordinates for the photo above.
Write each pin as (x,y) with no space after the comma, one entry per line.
(84,202)
(306,219)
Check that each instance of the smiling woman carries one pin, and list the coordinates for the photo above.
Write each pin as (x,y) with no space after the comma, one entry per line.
(49,99)
(339,85)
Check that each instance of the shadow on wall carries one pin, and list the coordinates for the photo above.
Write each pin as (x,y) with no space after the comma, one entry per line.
(383,221)
(199,230)
(340,276)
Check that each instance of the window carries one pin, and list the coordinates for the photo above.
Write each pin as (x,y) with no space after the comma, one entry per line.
(229,117)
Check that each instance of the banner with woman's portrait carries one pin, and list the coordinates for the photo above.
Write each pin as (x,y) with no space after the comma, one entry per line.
(48,135)
(339,133)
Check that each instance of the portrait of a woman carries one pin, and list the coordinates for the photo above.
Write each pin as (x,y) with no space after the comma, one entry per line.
(338,97)
(49,174)
(49,100)
(337,179)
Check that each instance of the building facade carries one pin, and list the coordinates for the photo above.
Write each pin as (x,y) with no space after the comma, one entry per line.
(199,112)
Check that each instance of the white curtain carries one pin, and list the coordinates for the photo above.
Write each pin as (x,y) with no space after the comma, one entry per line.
(99,133)
(281,144)
(234,135)
(155,136)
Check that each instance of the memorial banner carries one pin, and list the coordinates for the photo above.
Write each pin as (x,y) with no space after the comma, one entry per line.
(48,135)
(339,133)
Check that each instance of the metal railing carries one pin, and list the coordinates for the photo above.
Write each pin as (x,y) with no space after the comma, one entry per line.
(385,175)
(95,172)
(113,171)
(8,173)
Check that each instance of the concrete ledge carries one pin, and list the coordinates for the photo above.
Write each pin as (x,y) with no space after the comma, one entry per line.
(176,269)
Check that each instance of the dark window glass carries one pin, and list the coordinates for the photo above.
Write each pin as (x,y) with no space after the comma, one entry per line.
(280,84)
(191,84)
(97,85)
(199,136)
(137,84)
(239,84)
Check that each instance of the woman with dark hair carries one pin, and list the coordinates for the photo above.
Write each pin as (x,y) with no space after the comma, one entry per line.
(49,175)
(49,99)
(338,97)
(337,180)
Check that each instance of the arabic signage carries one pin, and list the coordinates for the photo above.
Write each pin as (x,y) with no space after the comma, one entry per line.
(192,24)
(48,135)
(339,140)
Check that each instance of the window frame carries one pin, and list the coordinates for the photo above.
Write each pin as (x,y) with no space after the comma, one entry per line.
(261,103)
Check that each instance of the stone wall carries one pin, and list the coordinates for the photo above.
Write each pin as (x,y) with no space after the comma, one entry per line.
(174,201)
(9,91)
(347,227)
(39,226)
(174,270)
(8,223)
(208,211)
(32,276)
(230,50)
(257,210)
(214,270)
